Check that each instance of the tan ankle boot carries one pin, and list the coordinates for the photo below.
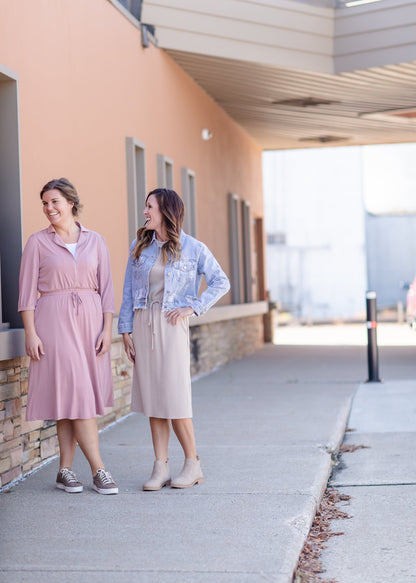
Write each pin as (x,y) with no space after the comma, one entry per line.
(160,476)
(190,475)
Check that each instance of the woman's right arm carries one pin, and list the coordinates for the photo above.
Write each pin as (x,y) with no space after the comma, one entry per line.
(125,320)
(125,317)
(129,347)
(29,275)
(28,293)
(33,343)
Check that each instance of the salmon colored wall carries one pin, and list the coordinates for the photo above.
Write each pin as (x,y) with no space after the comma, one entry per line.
(85,84)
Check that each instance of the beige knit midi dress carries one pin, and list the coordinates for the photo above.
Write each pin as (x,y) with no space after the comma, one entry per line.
(161,375)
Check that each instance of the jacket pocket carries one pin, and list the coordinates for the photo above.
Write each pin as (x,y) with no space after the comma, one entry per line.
(185,269)
(140,294)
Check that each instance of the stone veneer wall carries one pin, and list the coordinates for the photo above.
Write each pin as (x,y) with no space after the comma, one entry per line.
(24,445)
(213,345)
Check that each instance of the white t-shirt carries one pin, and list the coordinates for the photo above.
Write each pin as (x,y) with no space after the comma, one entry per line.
(72,247)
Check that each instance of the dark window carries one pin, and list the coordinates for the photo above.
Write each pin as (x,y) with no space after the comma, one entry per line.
(11,220)
(164,171)
(136,184)
(188,196)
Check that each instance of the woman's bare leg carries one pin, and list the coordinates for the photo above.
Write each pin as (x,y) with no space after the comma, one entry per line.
(191,473)
(67,442)
(160,429)
(184,431)
(86,433)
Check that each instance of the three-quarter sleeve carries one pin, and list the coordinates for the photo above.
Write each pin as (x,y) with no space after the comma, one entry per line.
(105,282)
(29,275)
(126,315)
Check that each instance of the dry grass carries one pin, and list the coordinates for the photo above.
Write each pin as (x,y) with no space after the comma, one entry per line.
(351,447)
(310,567)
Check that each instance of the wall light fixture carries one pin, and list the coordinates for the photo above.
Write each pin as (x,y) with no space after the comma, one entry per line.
(206,134)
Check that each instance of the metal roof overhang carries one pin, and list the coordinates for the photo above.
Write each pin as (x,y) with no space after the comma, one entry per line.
(353,115)
(295,74)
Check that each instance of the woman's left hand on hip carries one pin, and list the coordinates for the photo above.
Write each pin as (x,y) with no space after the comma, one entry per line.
(174,315)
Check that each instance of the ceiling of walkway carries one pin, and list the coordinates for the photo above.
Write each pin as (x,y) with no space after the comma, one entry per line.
(285,108)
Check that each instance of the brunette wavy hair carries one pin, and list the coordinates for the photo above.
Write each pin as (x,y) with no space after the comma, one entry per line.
(173,211)
(67,190)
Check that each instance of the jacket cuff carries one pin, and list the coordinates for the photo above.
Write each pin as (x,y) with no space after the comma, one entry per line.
(197,307)
(124,328)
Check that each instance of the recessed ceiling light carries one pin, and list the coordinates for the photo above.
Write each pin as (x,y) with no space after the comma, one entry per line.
(358,2)
(401,114)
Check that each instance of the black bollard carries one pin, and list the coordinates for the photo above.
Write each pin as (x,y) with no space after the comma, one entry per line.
(372,349)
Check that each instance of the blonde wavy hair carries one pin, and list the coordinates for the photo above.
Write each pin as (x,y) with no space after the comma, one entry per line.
(173,211)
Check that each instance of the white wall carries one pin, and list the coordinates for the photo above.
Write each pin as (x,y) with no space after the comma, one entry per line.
(271,32)
(374,35)
(287,33)
(314,197)
(389,179)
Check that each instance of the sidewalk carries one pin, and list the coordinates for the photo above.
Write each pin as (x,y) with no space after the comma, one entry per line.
(378,541)
(378,544)
(265,428)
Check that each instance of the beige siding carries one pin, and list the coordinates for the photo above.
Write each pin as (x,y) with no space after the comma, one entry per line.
(375,35)
(278,32)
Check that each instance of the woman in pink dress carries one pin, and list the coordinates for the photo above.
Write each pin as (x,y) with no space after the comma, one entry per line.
(67,303)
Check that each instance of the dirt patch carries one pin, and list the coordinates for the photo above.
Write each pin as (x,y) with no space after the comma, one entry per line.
(310,567)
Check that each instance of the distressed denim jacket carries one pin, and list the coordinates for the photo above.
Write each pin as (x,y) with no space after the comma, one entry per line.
(182,280)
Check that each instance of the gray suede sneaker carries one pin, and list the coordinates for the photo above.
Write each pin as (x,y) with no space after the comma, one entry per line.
(104,483)
(67,480)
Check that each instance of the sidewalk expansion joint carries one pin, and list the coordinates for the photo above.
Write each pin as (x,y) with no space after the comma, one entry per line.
(47,569)
(373,485)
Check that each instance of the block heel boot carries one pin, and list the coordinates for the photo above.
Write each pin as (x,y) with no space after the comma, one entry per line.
(160,477)
(190,475)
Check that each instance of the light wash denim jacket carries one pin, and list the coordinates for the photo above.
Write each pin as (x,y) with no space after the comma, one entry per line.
(182,280)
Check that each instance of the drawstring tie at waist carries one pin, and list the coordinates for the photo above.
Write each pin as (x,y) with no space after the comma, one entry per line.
(151,322)
(75,295)
(76,301)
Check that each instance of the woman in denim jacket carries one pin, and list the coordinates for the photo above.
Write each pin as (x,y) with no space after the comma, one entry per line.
(160,293)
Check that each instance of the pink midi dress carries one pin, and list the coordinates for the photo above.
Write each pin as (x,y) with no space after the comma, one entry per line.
(69,296)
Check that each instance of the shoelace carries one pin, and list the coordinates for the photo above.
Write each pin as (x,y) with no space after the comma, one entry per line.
(104,476)
(68,475)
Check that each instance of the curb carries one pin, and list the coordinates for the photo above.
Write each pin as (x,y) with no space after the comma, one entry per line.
(331,448)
